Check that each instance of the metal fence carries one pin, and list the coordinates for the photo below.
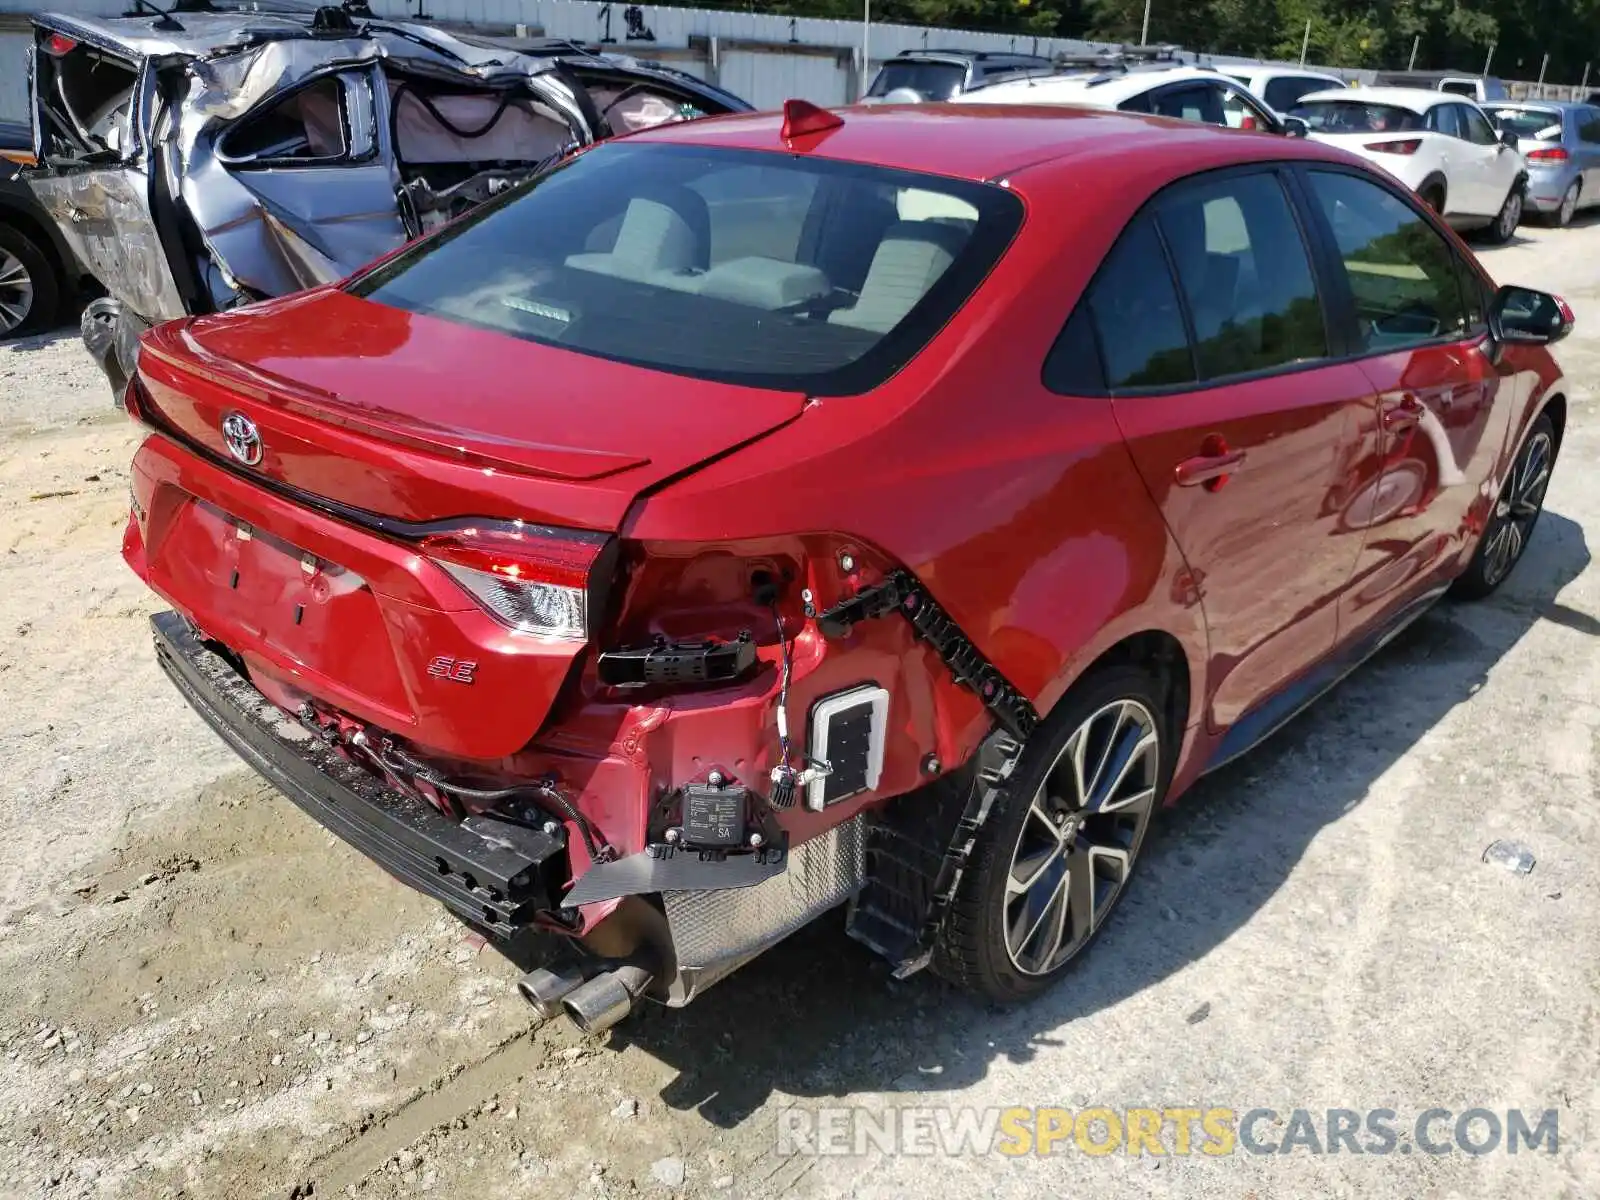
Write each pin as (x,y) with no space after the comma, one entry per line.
(766,59)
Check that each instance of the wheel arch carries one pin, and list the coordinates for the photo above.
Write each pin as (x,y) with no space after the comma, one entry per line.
(1436,180)
(1555,407)
(43,238)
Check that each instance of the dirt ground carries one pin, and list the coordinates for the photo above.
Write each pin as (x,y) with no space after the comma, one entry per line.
(203,994)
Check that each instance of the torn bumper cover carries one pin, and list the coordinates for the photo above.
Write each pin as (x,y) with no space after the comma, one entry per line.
(493,873)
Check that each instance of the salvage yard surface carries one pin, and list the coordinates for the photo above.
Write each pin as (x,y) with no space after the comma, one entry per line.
(202,993)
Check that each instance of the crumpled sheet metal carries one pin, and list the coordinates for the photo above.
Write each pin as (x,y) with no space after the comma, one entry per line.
(260,225)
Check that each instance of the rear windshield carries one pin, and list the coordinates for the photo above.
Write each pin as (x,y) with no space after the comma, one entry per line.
(769,270)
(931,80)
(1354,116)
(1529,122)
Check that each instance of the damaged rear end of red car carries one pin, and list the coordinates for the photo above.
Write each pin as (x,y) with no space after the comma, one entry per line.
(406,528)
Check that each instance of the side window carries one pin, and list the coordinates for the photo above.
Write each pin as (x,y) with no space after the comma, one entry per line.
(1200,102)
(1137,319)
(1246,275)
(1137,104)
(1239,109)
(1477,125)
(1284,93)
(1589,128)
(1445,119)
(309,125)
(1404,278)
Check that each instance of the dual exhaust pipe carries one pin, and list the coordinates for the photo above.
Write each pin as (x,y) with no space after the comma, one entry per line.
(593,1003)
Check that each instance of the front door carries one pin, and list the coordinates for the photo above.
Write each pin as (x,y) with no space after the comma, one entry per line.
(1238,421)
(1443,416)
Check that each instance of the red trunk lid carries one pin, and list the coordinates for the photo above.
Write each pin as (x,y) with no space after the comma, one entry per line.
(416,420)
(419,419)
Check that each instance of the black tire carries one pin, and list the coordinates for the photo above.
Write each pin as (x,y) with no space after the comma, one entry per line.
(1562,216)
(1499,231)
(44,302)
(101,326)
(974,951)
(1433,196)
(1516,512)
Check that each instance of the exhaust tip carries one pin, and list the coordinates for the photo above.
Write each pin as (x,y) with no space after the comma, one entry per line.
(606,999)
(545,987)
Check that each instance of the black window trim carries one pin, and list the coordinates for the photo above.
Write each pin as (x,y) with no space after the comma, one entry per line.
(1328,274)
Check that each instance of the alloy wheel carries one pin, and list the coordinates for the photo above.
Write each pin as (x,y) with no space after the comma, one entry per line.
(1075,850)
(1569,205)
(1510,216)
(1519,507)
(16,292)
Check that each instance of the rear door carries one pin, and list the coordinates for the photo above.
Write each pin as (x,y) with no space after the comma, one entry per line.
(1242,425)
(93,108)
(1476,164)
(1589,155)
(1417,312)
(315,160)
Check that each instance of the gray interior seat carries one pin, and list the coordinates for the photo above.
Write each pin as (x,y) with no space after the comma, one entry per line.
(907,263)
(660,240)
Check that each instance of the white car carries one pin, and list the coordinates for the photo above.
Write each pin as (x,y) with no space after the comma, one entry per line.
(1188,93)
(1280,88)
(1440,145)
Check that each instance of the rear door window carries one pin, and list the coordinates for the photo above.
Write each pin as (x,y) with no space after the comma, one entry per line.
(1477,127)
(1446,119)
(1246,275)
(1137,318)
(1200,102)
(1403,277)
(309,125)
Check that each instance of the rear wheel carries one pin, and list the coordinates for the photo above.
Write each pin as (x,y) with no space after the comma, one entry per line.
(1516,512)
(1433,196)
(28,289)
(1506,221)
(1563,215)
(1054,859)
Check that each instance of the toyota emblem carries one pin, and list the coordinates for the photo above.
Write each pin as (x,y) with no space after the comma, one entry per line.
(242,438)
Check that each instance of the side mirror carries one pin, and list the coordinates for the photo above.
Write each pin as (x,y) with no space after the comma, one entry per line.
(1296,127)
(1508,139)
(1522,316)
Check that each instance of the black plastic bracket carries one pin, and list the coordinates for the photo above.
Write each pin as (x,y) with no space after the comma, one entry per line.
(901,592)
(677,663)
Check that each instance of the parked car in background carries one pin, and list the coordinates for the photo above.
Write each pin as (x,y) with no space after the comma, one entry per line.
(1187,93)
(1280,88)
(38,274)
(1482,88)
(1561,144)
(924,75)
(202,159)
(528,561)
(1442,146)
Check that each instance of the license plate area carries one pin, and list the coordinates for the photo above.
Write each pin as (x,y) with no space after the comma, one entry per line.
(264,595)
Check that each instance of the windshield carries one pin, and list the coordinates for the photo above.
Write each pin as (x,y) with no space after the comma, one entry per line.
(1529,122)
(1354,116)
(769,270)
(932,80)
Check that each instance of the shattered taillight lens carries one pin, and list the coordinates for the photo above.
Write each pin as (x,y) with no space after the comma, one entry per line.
(531,578)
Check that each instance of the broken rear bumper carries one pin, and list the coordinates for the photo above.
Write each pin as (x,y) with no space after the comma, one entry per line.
(497,877)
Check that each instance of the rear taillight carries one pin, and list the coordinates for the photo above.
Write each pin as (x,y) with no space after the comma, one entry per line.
(1550,154)
(1403,146)
(530,578)
(58,44)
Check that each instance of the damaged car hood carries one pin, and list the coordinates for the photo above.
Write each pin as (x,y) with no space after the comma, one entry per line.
(205,159)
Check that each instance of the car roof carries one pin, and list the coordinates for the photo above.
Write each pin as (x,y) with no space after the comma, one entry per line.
(1259,72)
(1418,100)
(1104,89)
(992,141)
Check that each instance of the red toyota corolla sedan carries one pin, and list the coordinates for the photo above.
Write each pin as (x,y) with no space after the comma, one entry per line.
(890,507)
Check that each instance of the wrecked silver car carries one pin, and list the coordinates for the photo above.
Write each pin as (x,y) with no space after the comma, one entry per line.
(201,158)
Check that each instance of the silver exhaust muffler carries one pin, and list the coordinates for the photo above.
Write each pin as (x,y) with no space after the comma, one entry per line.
(545,987)
(610,996)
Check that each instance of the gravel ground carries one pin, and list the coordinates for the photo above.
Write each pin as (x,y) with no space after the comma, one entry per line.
(201,993)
